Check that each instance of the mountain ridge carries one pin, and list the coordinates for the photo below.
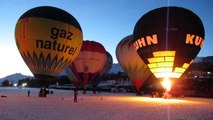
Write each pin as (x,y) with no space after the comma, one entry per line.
(15,77)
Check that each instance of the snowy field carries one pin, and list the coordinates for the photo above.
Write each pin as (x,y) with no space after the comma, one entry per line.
(103,106)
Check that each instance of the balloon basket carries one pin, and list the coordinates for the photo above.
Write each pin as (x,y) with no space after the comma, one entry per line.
(167,95)
(42,92)
(139,93)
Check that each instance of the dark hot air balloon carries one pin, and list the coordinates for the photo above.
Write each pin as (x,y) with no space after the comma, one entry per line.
(168,39)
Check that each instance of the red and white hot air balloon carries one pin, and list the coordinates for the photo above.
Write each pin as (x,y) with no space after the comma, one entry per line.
(89,62)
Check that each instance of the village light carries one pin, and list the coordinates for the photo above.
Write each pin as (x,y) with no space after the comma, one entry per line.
(15,85)
(24,84)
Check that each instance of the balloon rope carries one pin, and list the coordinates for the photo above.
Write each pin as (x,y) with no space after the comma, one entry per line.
(167,23)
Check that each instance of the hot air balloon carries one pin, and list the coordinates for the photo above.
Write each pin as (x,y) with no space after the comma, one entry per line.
(72,76)
(168,39)
(48,39)
(131,63)
(104,70)
(107,65)
(89,62)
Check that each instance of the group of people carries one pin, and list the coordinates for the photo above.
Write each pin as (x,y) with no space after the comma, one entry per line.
(43,93)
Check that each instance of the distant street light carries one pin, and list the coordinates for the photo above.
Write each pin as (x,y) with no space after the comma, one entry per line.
(24,85)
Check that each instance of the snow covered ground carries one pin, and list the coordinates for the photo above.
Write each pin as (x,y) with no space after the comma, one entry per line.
(103,106)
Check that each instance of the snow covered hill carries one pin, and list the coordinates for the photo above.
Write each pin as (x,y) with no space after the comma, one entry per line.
(116,68)
(14,77)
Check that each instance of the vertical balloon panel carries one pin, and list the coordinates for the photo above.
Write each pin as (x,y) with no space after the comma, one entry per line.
(106,68)
(168,39)
(48,39)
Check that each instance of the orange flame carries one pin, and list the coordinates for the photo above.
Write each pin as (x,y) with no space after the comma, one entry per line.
(167,84)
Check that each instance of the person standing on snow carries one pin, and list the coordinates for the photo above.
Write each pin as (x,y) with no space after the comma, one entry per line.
(75,95)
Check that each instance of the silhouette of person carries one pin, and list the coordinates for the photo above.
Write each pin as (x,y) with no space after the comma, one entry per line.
(28,93)
(75,95)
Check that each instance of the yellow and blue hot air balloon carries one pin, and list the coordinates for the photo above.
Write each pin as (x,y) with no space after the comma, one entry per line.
(131,62)
(48,39)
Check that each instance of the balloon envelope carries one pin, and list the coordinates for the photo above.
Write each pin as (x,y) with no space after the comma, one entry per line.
(89,62)
(106,68)
(107,65)
(131,63)
(48,39)
(168,39)
(72,77)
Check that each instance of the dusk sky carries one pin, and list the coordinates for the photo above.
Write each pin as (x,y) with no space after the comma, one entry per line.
(104,21)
